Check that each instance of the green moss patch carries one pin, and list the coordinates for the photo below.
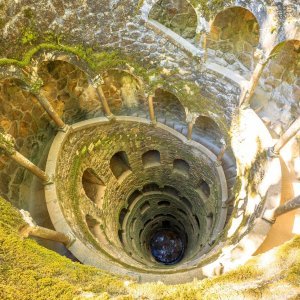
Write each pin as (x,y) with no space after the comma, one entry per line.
(29,271)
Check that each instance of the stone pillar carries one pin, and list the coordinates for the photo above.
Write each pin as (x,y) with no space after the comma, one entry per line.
(96,83)
(33,85)
(222,151)
(190,130)
(287,136)
(7,147)
(287,206)
(271,215)
(202,32)
(190,119)
(204,45)
(31,229)
(151,109)
(249,91)
(27,164)
(50,111)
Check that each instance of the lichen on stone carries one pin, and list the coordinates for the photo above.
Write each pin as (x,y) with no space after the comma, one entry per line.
(7,143)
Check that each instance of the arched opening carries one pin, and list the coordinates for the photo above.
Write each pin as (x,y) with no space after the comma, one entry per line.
(197,221)
(119,165)
(178,15)
(234,36)
(151,158)
(163,203)
(171,190)
(122,215)
(124,94)
(150,187)
(93,186)
(92,225)
(133,196)
(181,167)
(120,234)
(66,88)
(278,97)
(207,128)
(204,187)
(186,202)
(169,110)
(209,220)
(145,207)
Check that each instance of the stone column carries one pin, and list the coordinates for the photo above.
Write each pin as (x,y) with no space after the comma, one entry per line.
(31,229)
(222,151)
(191,119)
(287,136)
(96,83)
(33,85)
(151,109)
(50,111)
(204,45)
(249,91)
(271,215)
(7,147)
(287,206)
(202,32)
(190,130)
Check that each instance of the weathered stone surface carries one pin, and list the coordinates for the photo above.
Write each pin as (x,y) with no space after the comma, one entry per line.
(117,26)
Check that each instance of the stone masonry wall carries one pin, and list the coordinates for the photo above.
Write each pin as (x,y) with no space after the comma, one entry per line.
(177,15)
(234,37)
(94,150)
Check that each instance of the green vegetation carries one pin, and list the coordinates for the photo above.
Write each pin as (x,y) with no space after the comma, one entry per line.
(29,36)
(187,92)
(7,143)
(105,60)
(29,271)
(97,61)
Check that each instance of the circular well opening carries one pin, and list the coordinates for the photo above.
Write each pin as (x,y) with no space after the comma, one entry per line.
(167,246)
